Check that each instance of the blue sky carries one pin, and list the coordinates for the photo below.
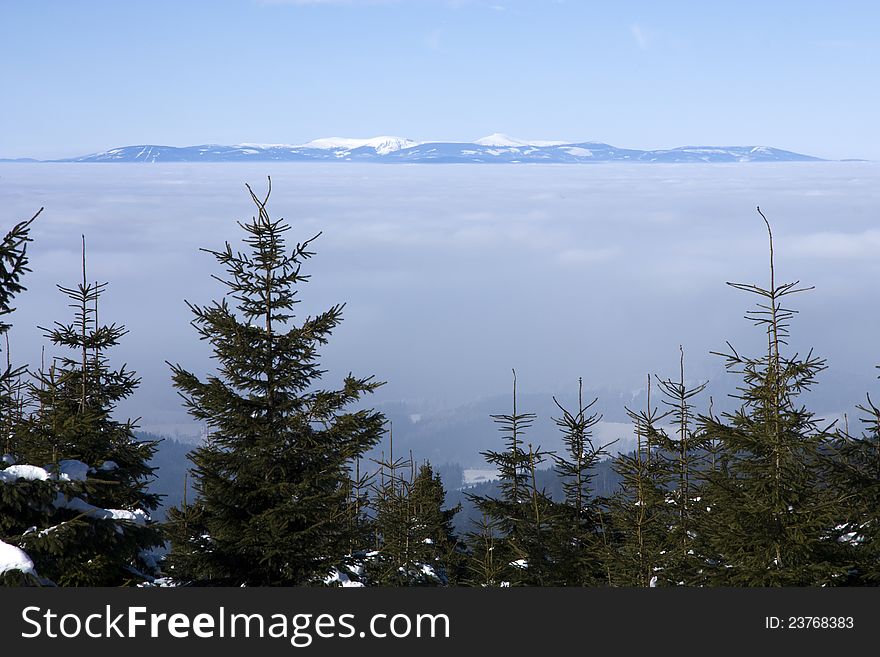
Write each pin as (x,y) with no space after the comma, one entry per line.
(84,76)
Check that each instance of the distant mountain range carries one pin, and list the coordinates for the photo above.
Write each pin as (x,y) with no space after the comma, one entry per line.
(495,148)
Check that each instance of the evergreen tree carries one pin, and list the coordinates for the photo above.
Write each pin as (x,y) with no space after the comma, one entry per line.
(17,494)
(273,475)
(13,265)
(522,513)
(638,514)
(101,531)
(436,545)
(417,545)
(771,507)
(361,528)
(392,563)
(579,541)
(86,520)
(682,454)
(856,477)
(485,565)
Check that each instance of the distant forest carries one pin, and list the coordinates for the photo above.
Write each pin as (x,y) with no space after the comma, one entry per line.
(286,490)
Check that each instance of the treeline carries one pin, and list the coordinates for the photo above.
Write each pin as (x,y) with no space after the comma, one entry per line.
(765,495)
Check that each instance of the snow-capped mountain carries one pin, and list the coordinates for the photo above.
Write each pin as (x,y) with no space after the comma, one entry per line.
(496,148)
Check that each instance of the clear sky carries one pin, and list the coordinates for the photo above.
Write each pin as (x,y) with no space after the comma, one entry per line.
(84,76)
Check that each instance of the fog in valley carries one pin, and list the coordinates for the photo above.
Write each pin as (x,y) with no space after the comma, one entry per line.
(453,275)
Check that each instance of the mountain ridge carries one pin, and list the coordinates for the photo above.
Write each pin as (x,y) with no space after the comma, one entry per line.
(495,148)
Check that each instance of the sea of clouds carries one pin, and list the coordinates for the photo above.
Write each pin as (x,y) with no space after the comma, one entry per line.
(454,274)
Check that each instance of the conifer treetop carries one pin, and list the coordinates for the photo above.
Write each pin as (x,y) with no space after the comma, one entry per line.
(274,474)
(13,264)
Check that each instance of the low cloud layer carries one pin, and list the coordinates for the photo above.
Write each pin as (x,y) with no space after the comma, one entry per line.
(453,275)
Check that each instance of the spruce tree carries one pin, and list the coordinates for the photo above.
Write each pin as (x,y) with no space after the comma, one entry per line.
(101,533)
(855,474)
(17,494)
(392,563)
(416,542)
(522,513)
(578,534)
(638,522)
(361,526)
(436,545)
(485,565)
(83,474)
(13,265)
(273,475)
(682,453)
(772,509)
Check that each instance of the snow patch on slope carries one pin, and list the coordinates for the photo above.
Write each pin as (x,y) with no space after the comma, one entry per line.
(382,145)
(499,139)
(577,151)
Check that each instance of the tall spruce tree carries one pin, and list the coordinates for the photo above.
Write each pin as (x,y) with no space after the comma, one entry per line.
(579,541)
(772,509)
(87,474)
(522,513)
(17,494)
(273,475)
(13,265)
(638,520)
(682,453)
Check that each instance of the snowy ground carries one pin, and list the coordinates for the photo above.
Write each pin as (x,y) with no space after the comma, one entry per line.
(473,476)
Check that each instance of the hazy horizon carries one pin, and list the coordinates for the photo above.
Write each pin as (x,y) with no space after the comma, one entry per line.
(348,140)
